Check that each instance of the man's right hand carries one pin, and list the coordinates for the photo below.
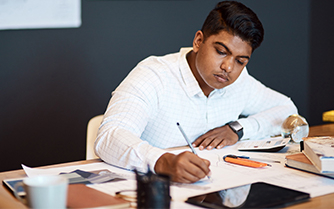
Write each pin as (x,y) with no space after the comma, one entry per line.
(185,167)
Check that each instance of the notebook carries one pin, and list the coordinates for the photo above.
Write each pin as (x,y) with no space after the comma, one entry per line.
(82,196)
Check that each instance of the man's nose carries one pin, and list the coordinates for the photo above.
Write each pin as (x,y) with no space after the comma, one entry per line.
(227,64)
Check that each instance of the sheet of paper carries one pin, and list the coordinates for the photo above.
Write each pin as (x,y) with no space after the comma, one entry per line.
(85,167)
(25,14)
(277,174)
(224,175)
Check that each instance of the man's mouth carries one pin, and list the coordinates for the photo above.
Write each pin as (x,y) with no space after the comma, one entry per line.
(221,78)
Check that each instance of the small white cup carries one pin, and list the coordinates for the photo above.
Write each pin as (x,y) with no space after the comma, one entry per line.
(47,192)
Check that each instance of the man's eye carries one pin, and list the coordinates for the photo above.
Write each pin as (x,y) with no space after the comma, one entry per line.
(220,52)
(240,62)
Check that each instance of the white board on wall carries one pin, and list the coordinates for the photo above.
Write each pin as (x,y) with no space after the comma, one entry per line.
(35,14)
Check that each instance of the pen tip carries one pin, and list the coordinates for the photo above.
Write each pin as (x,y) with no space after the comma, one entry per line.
(177,123)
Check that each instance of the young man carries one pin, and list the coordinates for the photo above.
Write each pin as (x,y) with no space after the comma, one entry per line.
(205,88)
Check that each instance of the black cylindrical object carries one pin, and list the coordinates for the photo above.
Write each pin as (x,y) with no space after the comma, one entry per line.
(153,190)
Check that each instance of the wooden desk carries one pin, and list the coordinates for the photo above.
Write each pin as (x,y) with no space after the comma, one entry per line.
(322,130)
(7,200)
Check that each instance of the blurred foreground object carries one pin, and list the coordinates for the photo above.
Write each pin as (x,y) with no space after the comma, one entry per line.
(153,190)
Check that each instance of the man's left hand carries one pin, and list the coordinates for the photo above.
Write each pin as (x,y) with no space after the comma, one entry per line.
(216,138)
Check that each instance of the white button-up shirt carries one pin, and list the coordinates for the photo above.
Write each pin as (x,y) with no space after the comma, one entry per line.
(141,117)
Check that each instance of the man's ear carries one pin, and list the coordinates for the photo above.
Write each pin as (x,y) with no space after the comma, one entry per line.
(198,40)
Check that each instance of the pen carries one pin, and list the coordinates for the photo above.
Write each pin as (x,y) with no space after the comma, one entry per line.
(267,160)
(185,136)
(245,162)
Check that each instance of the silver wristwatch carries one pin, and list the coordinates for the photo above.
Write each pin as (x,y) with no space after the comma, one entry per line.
(236,128)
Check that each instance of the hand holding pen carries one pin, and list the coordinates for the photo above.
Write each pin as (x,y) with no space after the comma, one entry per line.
(184,167)
(188,141)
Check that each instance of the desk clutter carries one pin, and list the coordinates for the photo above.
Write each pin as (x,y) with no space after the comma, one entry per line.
(154,191)
(74,177)
(320,151)
(301,162)
(316,156)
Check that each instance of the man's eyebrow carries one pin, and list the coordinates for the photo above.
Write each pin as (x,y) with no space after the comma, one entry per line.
(229,51)
(223,45)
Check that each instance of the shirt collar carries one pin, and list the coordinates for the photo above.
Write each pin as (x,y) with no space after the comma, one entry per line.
(191,85)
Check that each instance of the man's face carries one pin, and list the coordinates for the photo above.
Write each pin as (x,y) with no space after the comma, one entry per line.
(219,59)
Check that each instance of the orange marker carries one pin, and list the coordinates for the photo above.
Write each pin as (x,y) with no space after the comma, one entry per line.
(245,162)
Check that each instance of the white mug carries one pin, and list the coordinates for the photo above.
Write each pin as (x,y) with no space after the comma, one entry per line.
(47,192)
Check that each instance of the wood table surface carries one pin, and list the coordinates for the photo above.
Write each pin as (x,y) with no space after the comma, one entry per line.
(7,199)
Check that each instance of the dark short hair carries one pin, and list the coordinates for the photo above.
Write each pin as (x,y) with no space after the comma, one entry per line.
(235,18)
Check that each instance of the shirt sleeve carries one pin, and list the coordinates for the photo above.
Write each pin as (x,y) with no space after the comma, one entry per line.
(265,111)
(132,104)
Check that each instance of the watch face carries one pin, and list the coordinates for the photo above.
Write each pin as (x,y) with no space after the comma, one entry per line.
(236,126)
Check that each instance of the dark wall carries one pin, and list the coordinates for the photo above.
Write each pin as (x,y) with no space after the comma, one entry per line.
(321,79)
(54,80)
